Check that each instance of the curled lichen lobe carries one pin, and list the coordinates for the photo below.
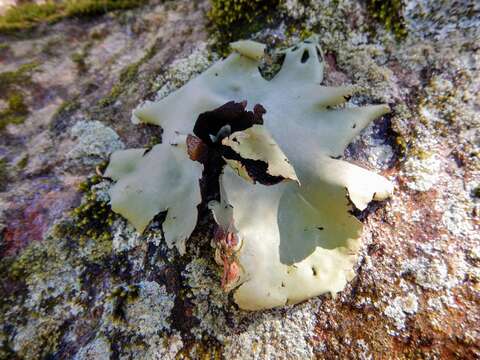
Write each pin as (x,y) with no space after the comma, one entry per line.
(216,125)
(232,116)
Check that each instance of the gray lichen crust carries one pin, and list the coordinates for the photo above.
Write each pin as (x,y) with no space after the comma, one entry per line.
(298,238)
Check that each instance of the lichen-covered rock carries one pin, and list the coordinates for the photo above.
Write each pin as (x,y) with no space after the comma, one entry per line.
(148,314)
(64,293)
(95,142)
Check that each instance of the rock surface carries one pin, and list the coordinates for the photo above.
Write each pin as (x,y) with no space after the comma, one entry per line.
(78,282)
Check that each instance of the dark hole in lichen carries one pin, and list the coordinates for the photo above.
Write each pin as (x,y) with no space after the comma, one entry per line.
(257,169)
(206,146)
(319,53)
(305,56)
(231,114)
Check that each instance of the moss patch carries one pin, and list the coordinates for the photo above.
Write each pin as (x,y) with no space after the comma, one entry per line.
(390,14)
(23,162)
(20,77)
(94,217)
(27,16)
(127,75)
(63,115)
(90,223)
(120,296)
(476,191)
(236,19)
(3,174)
(11,83)
(16,111)
(88,8)
(79,59)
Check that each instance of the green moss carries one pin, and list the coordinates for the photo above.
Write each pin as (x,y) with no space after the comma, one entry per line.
(79,59)
(88,8)
(23,162)
(94,217)
(3,174)
(112,96)
(298,29)
(390,14)
(120,296)
(49,49)
(68,106)
(402,145)
(63,114)
(11,82)
(420,153)
(20,77)
(206,350)
(127,75)
(90,222)
(4,48)
(230,20)
(476,191)
(16,111)
(28,15)
(47,339)
(32,260)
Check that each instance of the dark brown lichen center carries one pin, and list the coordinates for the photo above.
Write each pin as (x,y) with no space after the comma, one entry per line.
(206,145)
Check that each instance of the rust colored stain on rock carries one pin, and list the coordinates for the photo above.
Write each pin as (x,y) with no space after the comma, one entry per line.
(30,222)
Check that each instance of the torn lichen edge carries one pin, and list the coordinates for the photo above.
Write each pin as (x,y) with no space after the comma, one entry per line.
(286,255)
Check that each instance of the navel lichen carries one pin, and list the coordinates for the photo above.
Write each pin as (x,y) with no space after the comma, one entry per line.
(284,199)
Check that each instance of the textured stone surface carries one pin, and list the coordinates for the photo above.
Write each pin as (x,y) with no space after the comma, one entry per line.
(78,294)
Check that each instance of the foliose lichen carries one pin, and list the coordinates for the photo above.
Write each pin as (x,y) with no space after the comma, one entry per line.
(286,195)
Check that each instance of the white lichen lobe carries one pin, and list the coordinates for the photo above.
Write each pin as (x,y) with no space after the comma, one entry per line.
(298,236)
